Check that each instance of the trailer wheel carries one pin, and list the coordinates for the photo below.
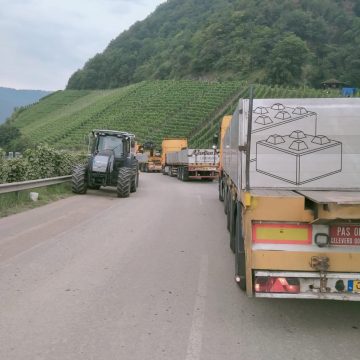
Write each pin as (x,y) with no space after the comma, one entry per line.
(240,261)
(221,189)
(232,214)
(225,198)
(185,174)
(228,208)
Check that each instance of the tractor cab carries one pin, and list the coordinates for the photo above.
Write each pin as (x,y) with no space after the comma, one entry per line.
(117,143)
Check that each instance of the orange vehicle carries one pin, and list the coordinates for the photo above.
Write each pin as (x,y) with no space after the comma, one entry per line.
(169,146)
(148,157)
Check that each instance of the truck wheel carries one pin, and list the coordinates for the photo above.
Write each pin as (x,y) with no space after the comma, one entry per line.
(240,269)
(225,198)
(78,180)
(221,189)
(228,205)
(232,225)
(124,182)
(186,174)
(179,173)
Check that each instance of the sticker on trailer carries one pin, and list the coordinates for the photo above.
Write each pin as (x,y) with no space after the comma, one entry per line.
(304,143)
(282,234)
(344,235)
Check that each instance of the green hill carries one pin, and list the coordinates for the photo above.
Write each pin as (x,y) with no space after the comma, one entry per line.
(152,110)
(283,42)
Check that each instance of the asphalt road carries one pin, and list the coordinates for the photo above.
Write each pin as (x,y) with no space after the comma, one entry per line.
(148,277)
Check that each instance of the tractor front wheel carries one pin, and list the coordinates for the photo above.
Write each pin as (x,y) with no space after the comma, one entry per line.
(124,182)
(78,180)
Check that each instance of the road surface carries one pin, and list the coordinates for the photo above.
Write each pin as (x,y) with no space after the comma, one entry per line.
(148,278)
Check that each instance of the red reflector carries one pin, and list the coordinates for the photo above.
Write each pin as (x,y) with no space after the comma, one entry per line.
(277,285)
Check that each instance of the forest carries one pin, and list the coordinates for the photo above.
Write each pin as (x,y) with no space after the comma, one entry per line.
(274,42)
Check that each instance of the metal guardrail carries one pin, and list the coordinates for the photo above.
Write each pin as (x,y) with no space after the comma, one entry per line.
(31,184)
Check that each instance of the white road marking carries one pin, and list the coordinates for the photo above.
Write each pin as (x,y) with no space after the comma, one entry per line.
(195,338)
(200,199)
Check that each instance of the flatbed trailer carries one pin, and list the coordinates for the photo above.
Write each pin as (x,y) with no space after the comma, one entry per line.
(291,191)
(194,164)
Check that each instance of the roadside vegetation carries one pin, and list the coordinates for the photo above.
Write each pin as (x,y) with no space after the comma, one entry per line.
(39,163)
(15,202)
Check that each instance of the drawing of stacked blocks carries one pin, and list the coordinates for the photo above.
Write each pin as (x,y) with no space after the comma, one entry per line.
(298,158)
(284,119)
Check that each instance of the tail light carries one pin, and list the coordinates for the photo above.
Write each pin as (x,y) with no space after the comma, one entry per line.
(270,284)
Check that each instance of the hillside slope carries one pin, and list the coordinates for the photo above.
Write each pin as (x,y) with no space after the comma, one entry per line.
(12,98)
(152,110)
(286,42)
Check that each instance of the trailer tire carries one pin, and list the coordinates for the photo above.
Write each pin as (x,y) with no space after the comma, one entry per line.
(228,209)
(221,189)
(225,199)
(186,174)
(240,260)
(232,224)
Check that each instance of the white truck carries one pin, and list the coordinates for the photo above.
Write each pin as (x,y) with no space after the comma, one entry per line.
(194,164)
(291,191)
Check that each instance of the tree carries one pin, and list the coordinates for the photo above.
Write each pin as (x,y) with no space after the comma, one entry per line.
(286,61)
(8,133)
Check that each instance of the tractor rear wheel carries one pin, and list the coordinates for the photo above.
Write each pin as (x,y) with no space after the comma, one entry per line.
(134,178)
(124,182)
(78,180)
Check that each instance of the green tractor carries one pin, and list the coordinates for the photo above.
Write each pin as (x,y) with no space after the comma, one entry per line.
(111,162)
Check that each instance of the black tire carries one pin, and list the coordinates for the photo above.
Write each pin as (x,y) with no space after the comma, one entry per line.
(78,180)
(232,225)
(240,268)
(124,182)
(186,174)
(133,184)
(134,178)
(228,204)
(221,189)
(225,198)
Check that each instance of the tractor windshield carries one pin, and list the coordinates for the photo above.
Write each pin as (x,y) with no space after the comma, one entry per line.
(111,143)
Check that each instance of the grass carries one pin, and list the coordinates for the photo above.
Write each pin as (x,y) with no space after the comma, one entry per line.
(15,202)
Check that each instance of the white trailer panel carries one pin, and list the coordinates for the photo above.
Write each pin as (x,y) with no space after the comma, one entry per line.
(311,144)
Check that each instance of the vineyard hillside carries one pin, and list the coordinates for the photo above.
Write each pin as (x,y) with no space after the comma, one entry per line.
(152,110)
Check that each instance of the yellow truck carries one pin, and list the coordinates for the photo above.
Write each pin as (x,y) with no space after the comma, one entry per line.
(148,157)
(169,146)
(290,185)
